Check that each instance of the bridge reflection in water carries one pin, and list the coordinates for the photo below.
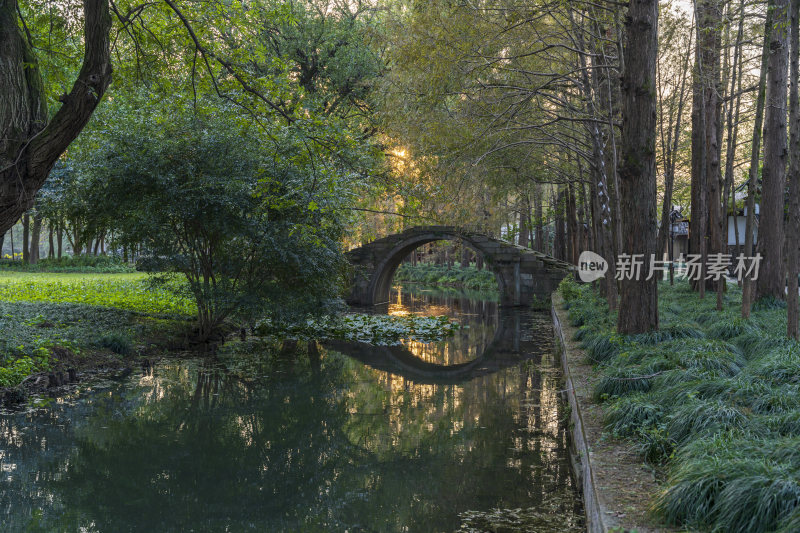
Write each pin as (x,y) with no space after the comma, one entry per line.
(491,337)
(495,382)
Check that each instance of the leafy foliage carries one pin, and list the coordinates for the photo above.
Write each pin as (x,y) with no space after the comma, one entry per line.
(468,277)
(253,230)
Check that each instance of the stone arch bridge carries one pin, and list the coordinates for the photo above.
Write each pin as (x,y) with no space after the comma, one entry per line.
(524,276)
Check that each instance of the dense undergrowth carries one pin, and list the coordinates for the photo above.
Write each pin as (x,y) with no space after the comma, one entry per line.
(467,277)
(38,337)
(69,263)
(712,398)
(49,320)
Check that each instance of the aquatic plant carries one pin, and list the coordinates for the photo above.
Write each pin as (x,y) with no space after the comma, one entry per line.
(379,330)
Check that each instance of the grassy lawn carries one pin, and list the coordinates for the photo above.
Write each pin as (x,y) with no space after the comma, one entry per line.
(53,320)
(711,399)
(129,291)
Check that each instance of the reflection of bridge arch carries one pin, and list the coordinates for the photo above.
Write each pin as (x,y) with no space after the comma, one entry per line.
(503,351)
(523,275)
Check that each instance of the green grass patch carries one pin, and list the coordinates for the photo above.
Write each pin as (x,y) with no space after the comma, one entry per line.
(129,291)
(51,319)
(711,398)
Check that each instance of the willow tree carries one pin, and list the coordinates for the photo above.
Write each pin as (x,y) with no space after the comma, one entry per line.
(30,141)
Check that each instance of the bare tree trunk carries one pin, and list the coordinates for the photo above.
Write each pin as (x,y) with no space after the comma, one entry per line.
(602,200)
(539,230)
(638,305)
(712,107)
(464,256)
(748,287)
(26,224)
(670,141)
(572,224)
(51,251)
(60,239)
(560,240)
(36,232)
(793,233)
(524,221)
(771,281)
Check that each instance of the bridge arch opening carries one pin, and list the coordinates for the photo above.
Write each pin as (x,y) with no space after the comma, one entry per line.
(382,281)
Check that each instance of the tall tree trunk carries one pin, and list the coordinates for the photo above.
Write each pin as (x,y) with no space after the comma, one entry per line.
(602,164)
(748,286)
(638,305)
(793,233)
(36,232)
(572,224)
(771,281)
(52,249)
(706,177)
(712,107)
(539,229)
(524,221)
(560,240)
(26,230)
(29,145)
(60,239)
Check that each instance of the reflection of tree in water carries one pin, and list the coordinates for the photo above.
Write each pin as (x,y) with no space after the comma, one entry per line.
(346,447)
(315,442)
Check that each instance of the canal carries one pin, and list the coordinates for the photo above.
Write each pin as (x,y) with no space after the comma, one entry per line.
(466,434)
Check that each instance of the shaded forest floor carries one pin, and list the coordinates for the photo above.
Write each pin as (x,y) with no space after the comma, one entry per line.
(51,322)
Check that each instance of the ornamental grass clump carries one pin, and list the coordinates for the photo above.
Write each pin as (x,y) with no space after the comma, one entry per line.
(627,416)
(734,482)
(712,398)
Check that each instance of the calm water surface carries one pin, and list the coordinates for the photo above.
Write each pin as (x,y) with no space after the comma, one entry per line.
(462,435)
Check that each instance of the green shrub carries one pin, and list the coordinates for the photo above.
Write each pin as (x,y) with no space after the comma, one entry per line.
(69,263)
(603,347)
(569,289)
(713,397)
(117,343)
(16,371)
